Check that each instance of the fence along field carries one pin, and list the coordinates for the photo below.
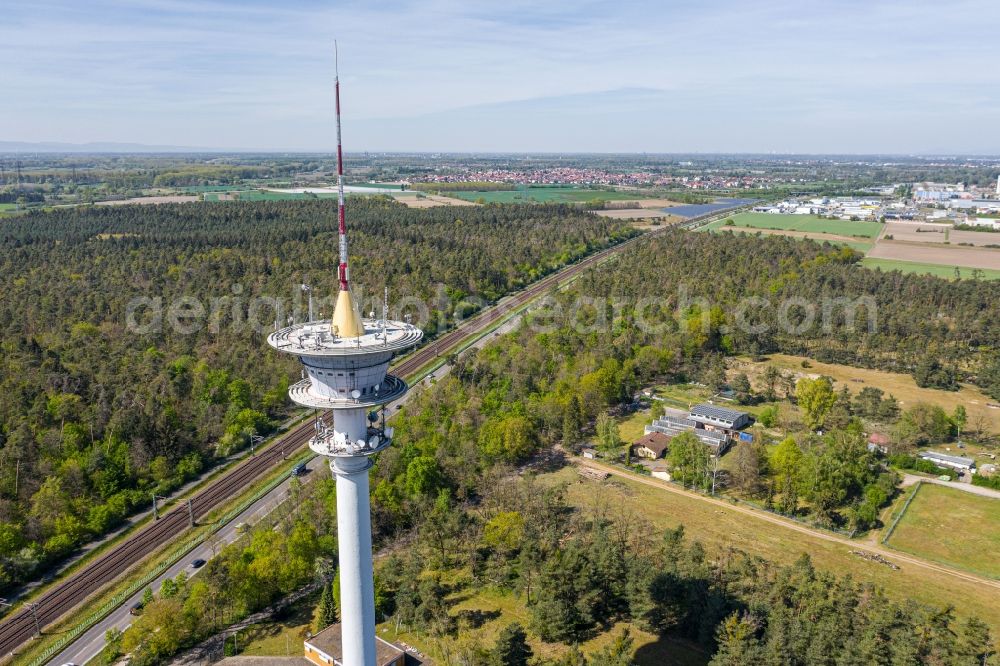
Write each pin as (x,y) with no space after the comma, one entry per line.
(952,527)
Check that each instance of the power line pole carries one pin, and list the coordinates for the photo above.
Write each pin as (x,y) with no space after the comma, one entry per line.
(156,511)
(190,514)
(33,608)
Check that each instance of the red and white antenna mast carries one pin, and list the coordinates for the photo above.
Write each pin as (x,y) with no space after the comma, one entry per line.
(341,224)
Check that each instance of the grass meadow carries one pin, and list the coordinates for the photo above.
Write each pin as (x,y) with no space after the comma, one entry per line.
(804,223)
(937,270)
(952,527)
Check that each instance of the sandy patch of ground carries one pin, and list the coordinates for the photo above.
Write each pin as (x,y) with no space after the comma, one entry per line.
(947,255)
(172,198)
(432,200)
(938,233)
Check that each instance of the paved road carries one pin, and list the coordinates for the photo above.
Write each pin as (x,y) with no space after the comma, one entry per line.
(893,555)
(91,642)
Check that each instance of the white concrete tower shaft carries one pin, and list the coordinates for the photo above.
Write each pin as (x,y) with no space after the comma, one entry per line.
(357,586)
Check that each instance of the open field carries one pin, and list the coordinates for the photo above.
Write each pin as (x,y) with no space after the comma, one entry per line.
(263,195)
(802,223)
(171,198)
(938,233)
(859,245)
(430,200)
(638,214)
(719,525)
(548,195)
(501,608)
(7,206)
(952,527)
(937,270)
(900,385)
(941,255)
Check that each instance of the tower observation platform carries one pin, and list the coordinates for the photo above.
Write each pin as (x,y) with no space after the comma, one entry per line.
(347,375)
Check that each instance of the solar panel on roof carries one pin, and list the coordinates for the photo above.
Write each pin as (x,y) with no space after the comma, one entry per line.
(720,413)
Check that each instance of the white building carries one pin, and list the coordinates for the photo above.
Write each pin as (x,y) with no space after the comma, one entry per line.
(954,462)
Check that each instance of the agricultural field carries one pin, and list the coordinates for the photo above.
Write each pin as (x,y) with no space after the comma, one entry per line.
(548,195)
(952,527)
(938,270)
(639,214)
(800,223)
(152,200)
(263,195)
(939,233)
(718,527)
(938,255)
(412,200)
(859,245)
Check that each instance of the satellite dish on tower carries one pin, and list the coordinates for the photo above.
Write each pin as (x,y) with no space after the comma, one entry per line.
(355,394)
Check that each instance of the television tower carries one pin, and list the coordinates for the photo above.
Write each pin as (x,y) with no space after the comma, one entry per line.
(346,360)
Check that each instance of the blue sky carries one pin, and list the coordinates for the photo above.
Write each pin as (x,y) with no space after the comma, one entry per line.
(899,76)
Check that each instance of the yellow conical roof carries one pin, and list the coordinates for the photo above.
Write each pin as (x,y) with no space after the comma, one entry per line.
(346,321)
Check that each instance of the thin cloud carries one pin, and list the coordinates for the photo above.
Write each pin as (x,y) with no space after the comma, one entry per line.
(804,76)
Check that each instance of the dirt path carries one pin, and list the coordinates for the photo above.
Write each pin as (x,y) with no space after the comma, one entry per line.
(795,527)
(910,479)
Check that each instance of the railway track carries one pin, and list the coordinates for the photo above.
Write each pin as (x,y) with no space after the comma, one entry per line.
(20,626)
(60,599)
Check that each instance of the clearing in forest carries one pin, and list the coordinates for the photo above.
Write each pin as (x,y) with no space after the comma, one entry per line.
(720,527)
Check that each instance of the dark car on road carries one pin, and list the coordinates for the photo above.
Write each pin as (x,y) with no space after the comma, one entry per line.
(198,563)
(136,609)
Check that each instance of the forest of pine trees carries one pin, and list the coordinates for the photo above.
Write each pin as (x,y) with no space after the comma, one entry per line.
(95,417)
